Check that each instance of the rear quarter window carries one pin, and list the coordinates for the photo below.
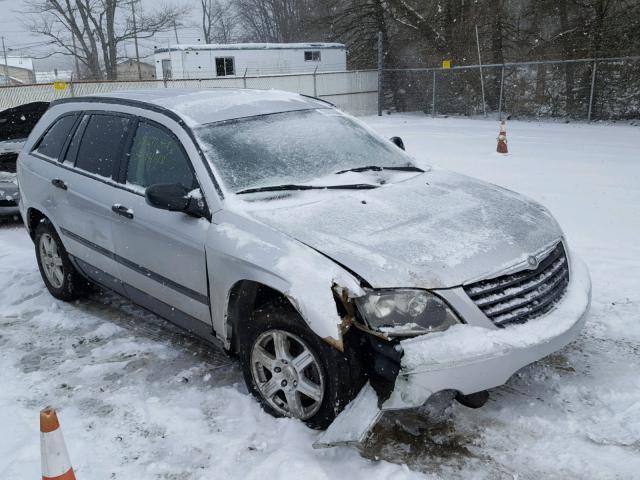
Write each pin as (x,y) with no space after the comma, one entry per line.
(50,145)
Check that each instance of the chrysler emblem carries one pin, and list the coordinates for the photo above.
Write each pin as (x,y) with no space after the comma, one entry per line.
(532,261)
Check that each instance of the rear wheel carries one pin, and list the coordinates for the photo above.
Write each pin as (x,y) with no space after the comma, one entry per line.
(60,276)
(294,373)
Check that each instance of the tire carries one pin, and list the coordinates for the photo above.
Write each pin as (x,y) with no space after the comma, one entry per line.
(338,376)
(58,273)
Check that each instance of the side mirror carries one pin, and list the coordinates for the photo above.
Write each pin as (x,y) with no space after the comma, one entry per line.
(168,196)
(398,142)
(175,198)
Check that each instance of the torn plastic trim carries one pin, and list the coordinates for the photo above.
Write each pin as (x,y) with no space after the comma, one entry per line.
(382,355)
(353,425)
(346,312)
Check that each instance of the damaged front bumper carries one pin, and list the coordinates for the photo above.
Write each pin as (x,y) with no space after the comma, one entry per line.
(467,358)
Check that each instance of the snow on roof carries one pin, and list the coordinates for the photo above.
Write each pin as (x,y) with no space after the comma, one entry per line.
(52,75)
(202,106)
(18,62)
(250,46)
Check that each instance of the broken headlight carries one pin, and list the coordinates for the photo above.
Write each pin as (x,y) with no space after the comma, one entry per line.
(405,313)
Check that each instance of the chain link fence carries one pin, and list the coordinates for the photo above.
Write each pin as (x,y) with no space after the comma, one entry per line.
(353,91)
(591,89)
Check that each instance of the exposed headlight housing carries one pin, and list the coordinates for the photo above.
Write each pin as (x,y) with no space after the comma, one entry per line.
(405,313)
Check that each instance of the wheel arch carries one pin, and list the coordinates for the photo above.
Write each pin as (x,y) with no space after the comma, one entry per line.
(34,217)
(245,297)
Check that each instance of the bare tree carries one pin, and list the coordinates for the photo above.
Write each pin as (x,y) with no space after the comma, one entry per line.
(280,20)
(93,30)
(218,21)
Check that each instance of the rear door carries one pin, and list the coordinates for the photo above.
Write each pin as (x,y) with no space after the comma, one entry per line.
(162,253)
(42,164)
(87,184)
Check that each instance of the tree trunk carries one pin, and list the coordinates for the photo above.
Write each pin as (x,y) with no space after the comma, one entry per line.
(497,53)
(569,80)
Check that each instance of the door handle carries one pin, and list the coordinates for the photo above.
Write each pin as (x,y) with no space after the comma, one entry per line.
(122,210)
(56,182)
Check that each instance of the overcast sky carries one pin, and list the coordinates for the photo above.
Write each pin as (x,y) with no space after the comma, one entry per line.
(19,40)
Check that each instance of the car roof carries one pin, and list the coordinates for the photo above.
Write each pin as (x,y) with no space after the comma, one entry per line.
(202,106)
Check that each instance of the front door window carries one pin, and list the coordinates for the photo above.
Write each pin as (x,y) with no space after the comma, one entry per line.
(156,157)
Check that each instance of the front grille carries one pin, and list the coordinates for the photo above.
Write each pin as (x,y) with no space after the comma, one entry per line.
(524,295)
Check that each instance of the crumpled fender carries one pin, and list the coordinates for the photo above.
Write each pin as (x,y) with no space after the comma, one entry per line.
(239,248)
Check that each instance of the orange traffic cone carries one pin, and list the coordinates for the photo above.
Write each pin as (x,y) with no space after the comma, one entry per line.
(53,452)
(502,139)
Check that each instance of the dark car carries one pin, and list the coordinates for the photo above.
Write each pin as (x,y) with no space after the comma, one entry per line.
(15,125)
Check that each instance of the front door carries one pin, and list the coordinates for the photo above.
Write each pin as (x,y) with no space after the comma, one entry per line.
(161,253)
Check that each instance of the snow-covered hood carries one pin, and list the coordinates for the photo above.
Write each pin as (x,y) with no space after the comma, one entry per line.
(436,230)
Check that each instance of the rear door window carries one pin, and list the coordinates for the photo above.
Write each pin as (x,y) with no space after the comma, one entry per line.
(157,157)
(102,143)
(51,144)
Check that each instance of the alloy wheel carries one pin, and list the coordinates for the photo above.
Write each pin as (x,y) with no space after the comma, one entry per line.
(51,260)
(287,373)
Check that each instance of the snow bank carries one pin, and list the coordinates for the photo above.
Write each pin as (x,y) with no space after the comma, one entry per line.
(136,399)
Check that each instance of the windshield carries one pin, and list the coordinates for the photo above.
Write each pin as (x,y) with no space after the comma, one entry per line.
(293,148)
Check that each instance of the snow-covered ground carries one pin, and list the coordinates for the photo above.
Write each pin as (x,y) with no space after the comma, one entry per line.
(138,400)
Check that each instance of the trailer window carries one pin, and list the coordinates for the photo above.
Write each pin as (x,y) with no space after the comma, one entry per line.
(224,66)
(312,56)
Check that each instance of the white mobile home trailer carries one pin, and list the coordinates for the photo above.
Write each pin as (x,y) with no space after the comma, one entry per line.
(239,59)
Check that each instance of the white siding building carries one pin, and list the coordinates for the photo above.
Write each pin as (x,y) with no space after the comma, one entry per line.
(236,60)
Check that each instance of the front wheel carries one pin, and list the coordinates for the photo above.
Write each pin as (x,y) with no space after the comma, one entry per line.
(294,373)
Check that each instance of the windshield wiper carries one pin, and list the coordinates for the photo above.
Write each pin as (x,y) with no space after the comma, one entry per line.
(376,168)
(278,188)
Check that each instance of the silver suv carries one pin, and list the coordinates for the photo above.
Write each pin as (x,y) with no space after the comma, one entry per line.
(315,250)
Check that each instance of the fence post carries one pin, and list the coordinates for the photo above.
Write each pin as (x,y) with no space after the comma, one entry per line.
(380,74)
(244,77)
(433,95)
(315,82)
(71,87)
(501,90)
(593,87)
(484,108)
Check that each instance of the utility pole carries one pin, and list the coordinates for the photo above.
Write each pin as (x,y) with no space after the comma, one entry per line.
(6,63)
(135,38)
(75,55)
(175,30)
(380,73)
(484,108)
